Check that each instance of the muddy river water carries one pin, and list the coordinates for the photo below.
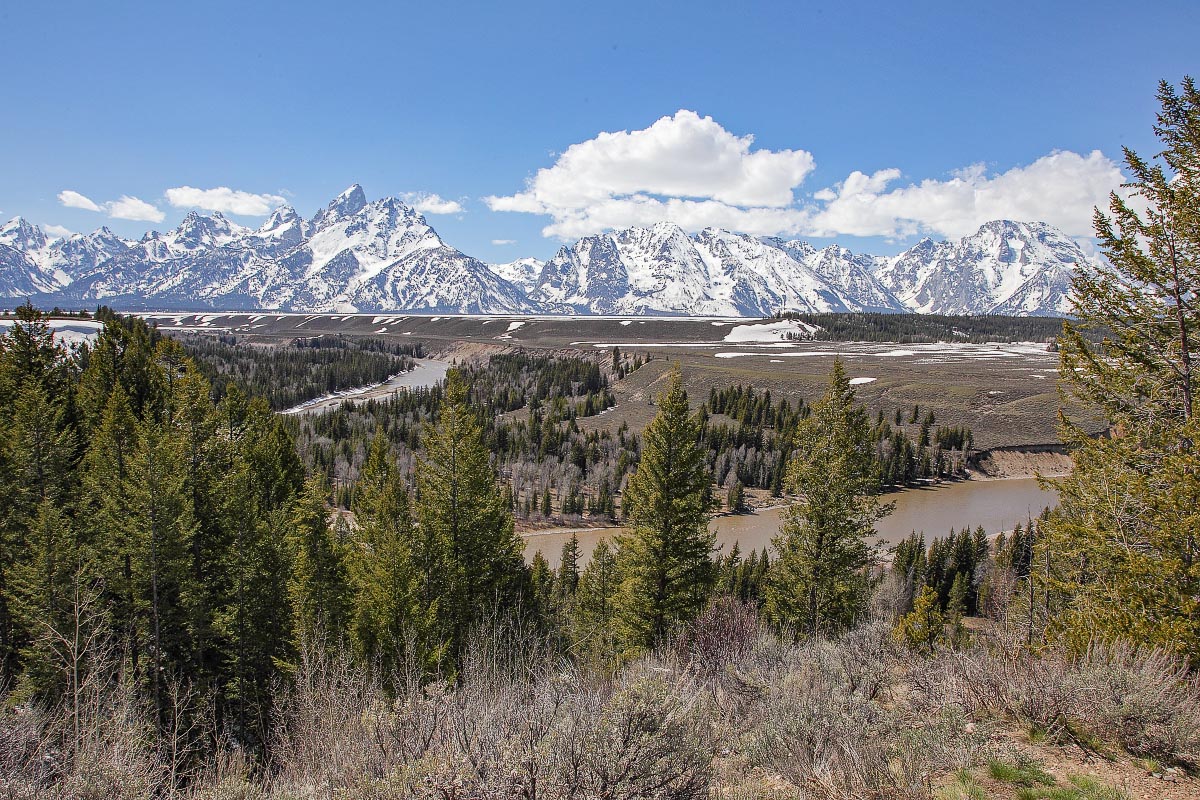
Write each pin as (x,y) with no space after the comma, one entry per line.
(997,505)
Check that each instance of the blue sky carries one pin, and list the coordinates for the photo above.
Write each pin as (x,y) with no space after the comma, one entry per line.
(851,107)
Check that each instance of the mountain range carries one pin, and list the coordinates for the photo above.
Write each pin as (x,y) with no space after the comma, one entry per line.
(360,255)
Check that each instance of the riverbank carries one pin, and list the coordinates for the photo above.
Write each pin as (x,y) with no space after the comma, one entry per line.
(426,372)
(1027,461)
(996,505)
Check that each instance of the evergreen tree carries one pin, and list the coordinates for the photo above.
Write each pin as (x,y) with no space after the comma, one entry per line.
(595,608)
(320,583)
(161,526)
(568,567)
(461,511)
(665,559)
(44,588)
(924,626)
(1132,568)
(820,580)
(735,500)
(389,616)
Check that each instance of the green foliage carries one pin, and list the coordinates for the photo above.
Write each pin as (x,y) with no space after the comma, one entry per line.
(1021,773)
(755,451)
(1081,788)
(319,587)
(1132,568)
(303,369)
(820,579)
(922,628)
(596,604)
(665,559)
(475,563)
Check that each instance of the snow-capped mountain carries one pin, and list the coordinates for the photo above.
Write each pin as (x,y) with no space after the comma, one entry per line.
(524,272)
(1015,268)
(353,255)
(33,263)
(360,255)
(663,270)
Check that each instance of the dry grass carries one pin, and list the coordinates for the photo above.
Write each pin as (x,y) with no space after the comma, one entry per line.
(729,709)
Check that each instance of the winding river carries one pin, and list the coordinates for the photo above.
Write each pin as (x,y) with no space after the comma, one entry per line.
(997,505)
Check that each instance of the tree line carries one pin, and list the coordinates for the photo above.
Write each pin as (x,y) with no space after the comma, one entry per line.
(305,368)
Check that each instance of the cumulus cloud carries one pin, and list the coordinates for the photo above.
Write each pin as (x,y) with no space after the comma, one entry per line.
(429,203)
(73,199)
(684,168)
(133,208)
(689,170)
(58,231)
(1061,188)
(503,242)
(126,207)
(224,199)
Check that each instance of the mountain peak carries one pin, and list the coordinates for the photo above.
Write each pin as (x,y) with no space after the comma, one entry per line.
(346,204)
(21,235)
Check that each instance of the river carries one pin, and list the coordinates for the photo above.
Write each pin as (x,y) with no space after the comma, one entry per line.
(426,372)
(997,505)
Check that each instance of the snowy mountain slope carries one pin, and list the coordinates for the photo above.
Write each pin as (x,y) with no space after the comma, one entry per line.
(1003,268)
(524,272)
(715,272)
(353,255)
(382,255)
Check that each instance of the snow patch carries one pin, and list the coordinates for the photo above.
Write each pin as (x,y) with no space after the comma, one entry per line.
(861,381)
(782,331)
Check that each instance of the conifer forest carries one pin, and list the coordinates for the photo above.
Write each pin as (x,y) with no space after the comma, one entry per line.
(202,596)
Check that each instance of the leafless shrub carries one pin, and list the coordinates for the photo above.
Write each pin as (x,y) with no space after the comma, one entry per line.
(1144,698)
(332,725)
(834,725)
(634,741)
(25,766)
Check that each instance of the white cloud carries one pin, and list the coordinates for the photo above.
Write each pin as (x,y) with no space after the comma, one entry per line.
(222,198)
(1061,188)
(503,242)
(429,203)
(73,199)
(125,208)
(684,168)
(133,208)
(689,170)
(58,231)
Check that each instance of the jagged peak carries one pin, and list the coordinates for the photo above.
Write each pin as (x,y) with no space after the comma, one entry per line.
(352,200)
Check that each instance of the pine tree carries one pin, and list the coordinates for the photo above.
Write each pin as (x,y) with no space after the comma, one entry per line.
(736,499)
(924,626)
(161,526)
(388,615)
(461,508)
(105,475)
(665,559)
(319,587)
(44,587)
(595,609)
(1132,568)
(820,580)
(568,566)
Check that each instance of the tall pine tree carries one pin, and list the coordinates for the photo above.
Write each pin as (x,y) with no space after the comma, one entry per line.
(665,559)
(820,580)
(1121,555)
(465,527)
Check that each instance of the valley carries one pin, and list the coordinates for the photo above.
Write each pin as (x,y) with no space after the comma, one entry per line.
(1006,392)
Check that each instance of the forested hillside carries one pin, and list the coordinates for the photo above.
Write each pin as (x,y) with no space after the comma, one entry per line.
(306,368)
(185,611)
(918,328)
